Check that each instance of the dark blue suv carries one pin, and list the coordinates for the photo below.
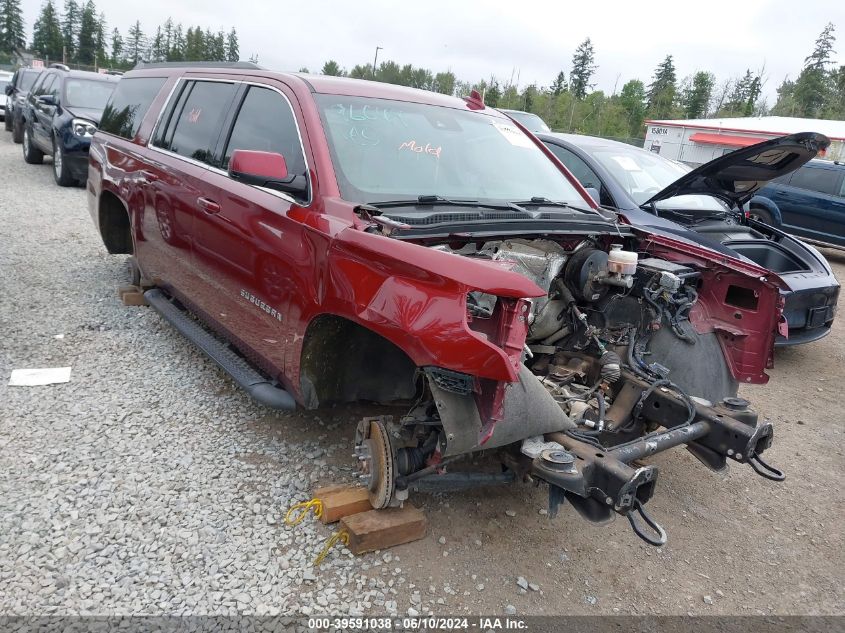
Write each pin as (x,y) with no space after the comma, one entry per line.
(61,114)
(809,202)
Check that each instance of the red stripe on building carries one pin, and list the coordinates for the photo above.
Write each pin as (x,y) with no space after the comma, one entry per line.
(725,139)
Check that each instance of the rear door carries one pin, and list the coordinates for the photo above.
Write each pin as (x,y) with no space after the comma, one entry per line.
(248,251)
(179,180)
(42,121)
(811,204)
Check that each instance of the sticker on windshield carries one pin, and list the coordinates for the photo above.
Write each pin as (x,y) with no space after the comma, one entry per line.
(513,134)
(627,163)
(415,147)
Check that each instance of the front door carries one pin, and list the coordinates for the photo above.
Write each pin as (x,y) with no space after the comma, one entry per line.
(249,254)
(811,204)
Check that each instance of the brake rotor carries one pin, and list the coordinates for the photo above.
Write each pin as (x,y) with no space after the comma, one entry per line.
(376,464)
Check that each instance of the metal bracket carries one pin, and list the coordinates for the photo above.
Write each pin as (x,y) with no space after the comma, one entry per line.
(654,525)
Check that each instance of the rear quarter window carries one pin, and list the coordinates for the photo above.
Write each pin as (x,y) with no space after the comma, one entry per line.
(129,104)
(816,179)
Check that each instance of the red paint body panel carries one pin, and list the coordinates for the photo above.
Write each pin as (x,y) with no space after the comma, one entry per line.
(260,268)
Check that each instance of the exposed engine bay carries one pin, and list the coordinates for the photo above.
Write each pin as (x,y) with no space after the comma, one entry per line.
(611,371)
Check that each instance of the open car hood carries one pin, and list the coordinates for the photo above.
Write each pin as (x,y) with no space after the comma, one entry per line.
(736,177)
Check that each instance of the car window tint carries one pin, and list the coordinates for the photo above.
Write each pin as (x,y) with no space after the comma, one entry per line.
(27,79)
(816,179)
(842,186)
(45,85)
(128,105)
(586,176)
(197,124)
(88,93)
(265,122)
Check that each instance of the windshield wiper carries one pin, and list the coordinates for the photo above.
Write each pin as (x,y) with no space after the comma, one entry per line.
(432,200)
(540,201)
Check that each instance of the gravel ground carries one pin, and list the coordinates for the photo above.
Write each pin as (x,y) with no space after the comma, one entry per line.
(148,484)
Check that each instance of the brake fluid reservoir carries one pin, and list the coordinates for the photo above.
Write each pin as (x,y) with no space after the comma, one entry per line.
(621,262)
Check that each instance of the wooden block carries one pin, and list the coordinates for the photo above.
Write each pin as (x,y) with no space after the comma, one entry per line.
(122,290)
(133,299)
(341,501)
(380,529)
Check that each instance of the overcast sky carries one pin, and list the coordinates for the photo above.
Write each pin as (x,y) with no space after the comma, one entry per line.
(533,40)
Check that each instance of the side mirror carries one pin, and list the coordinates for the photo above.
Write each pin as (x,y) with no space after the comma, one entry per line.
(594,194)
(49,100)
(265,169)
(8,89)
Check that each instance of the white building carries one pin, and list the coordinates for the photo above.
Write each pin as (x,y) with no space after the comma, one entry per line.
(697,141)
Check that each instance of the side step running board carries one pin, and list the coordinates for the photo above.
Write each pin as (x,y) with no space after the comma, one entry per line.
(240,370)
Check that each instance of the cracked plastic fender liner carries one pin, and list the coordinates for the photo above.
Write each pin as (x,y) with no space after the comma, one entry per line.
(529,410)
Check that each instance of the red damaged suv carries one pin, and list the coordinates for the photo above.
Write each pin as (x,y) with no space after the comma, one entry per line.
(341,240)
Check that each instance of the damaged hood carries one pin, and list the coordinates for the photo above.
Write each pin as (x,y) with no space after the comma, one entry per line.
(736,177)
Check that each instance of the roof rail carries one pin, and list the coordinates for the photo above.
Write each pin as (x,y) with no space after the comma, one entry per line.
(243,65)
(64,67)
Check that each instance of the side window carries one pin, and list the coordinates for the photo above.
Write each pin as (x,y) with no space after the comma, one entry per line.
(44,85)
(195,122)
(265,122)
(585,175)
(129,104)
(54,88)
(816,179)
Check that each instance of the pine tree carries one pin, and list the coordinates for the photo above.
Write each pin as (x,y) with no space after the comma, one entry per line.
(86,45)
(177,49)
(813,86)
(100,39)
(116,48)
(559,84)
(583,67)
(331,68)
(47,32)
(696,97)
(70,27)
(233,53)
(157,49)
(494,94)
(12,33)
(662,91)
(136,44)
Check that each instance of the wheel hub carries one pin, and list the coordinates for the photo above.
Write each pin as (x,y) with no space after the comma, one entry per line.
(376,460)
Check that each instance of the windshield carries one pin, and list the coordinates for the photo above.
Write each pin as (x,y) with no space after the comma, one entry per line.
(28,79)
(531,121)
(387,150)
(88,93)
(642,174)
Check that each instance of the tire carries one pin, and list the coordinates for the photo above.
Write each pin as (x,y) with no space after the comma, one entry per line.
(31,154)
(61,173)
(17,130)
(761,215)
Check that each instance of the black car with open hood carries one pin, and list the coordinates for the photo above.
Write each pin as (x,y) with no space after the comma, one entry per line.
(706,206)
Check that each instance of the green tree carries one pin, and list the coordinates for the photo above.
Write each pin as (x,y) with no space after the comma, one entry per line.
(177,48)
(813,86)
(86,45)
(662,91)
(12,33)
(158,52)
(444,83)
(559,84)
(116,48)
(696,97)
(494,94)
(100,39)
(360,71)
(632,101)
(70,27)
(47,32)
(136,44)
(233,52)
(331,68)
(529,94)
(583,67)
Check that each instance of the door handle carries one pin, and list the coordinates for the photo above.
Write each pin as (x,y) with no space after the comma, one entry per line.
(209,206)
